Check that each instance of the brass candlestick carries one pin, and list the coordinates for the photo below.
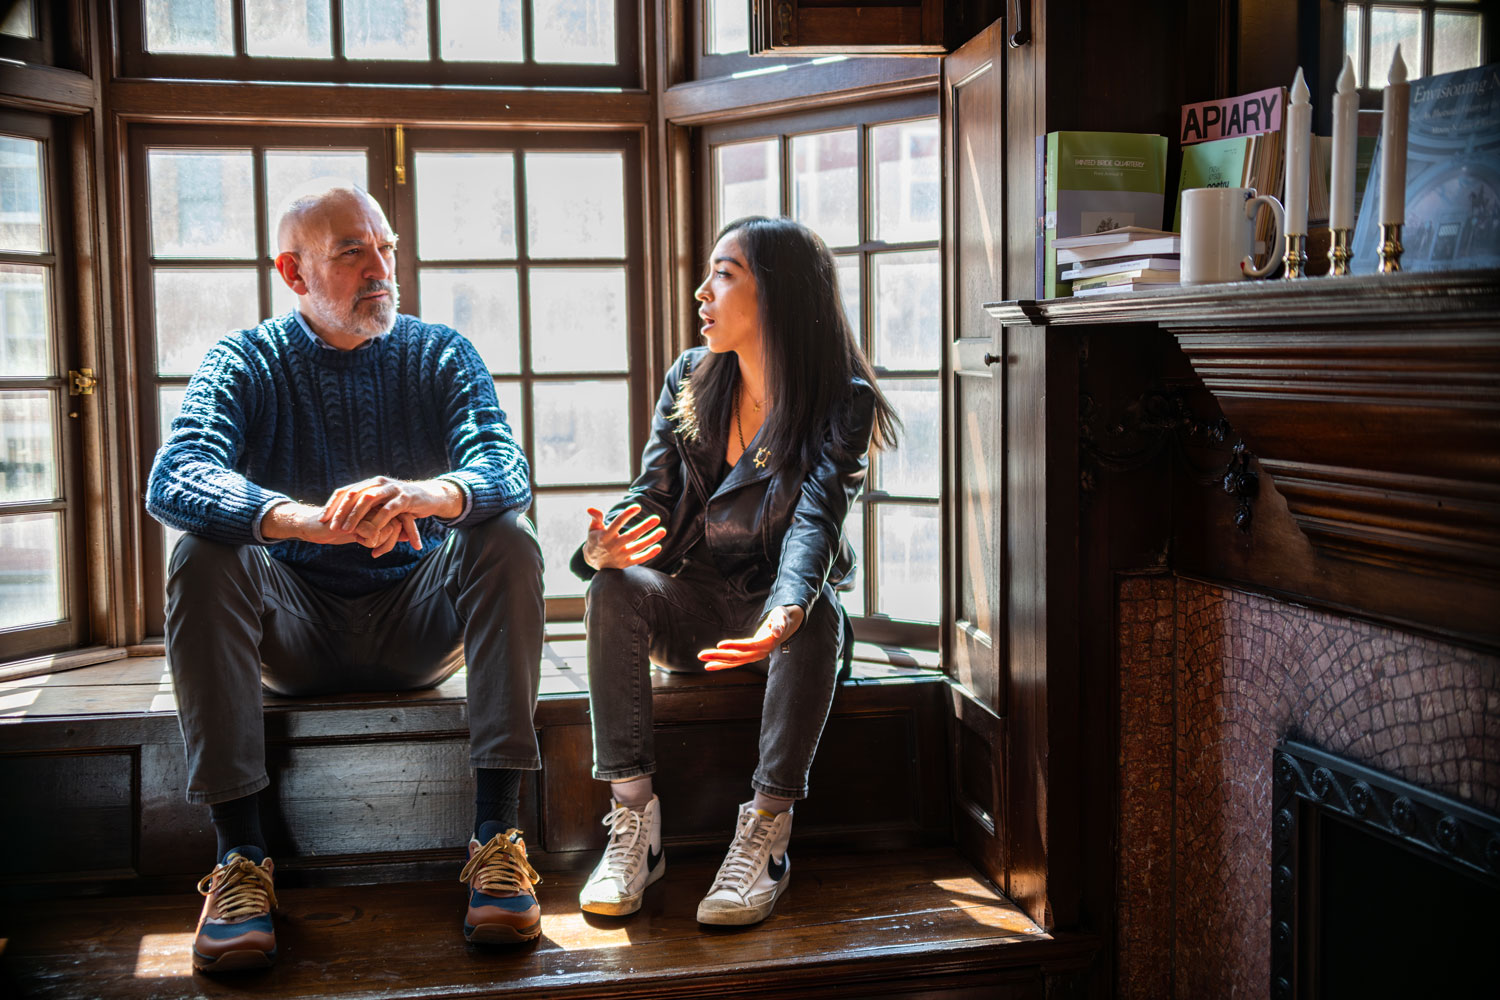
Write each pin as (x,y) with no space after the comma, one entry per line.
(1339,252)
(1390,247)
(1295,258)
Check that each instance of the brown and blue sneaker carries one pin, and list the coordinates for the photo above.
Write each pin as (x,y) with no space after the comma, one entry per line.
(502,898)
(234,931)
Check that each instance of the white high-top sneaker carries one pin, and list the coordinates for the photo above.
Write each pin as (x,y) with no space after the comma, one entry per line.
(632,860)
(755,872)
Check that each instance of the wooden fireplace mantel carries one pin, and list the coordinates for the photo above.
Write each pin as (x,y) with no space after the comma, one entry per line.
(1373,402)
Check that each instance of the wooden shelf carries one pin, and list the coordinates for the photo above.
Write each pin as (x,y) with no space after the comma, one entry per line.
(1372,401)
(1372,299)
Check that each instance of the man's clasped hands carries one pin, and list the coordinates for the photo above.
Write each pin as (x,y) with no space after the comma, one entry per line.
(378,513)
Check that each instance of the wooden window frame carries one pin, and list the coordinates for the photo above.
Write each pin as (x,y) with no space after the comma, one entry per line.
(68,448)
(870,626)
(132,59)
(400,205)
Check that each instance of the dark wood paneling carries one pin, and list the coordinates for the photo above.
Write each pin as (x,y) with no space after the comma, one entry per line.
(572,800)
(57,803)
(810,27)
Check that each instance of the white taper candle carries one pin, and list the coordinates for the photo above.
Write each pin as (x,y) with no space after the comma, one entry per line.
(1396,104)
(1345,149)
(1298,149)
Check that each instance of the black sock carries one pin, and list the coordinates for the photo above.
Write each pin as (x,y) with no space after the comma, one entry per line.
(497,797)
(237,823)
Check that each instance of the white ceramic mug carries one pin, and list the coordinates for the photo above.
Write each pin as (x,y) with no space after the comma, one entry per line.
(1218,234)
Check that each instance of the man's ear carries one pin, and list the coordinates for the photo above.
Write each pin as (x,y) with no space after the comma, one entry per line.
(286,265)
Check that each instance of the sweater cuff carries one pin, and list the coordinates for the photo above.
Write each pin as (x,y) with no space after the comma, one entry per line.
(260,517)
(485,497)
(466,494)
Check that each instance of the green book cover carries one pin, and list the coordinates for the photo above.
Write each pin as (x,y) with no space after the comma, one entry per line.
(1219,163)
(1098,181)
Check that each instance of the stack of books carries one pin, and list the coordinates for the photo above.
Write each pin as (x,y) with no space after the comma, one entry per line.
(1119,260)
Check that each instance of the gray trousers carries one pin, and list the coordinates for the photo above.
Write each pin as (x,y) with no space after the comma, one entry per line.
(638,615)
(238,620)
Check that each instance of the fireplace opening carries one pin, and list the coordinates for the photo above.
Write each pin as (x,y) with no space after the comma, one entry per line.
(1380,888)
(1389,921)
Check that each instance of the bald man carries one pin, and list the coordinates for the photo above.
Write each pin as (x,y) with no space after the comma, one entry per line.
(352,501)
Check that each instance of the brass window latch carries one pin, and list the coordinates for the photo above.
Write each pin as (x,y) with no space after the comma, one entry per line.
(81,382)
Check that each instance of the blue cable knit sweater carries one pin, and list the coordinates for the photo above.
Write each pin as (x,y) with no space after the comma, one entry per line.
(271,416)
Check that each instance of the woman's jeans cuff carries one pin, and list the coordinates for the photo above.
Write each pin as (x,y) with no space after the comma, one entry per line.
(228,794)
(778,791)
(624,773)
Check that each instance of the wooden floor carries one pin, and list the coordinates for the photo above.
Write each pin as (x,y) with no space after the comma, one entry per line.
(848,926)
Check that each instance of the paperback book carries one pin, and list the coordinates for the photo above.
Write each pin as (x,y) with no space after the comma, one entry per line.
(1099,181)
(1452,178)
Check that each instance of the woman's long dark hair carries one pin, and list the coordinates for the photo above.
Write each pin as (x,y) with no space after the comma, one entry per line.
(810,356)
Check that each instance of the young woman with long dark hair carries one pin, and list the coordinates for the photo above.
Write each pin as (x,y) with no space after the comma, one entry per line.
(727,550)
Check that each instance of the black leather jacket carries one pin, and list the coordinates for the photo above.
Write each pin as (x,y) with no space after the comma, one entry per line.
(772,533)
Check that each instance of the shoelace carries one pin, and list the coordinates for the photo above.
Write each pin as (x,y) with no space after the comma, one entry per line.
(244,888)
(738,869)
(501,865)
(620,857)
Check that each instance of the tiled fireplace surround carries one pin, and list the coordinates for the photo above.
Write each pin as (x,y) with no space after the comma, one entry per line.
(1210,679)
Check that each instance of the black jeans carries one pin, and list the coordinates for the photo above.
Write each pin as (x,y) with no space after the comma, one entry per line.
(638,615)
(238,620)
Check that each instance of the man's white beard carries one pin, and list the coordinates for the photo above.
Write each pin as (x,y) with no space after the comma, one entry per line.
(367,319)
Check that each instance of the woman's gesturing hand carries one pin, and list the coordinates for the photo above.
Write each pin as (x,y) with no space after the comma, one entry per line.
(779,626)
(619,544)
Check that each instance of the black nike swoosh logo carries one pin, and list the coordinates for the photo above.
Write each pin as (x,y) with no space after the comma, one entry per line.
(776,868)
(653,858)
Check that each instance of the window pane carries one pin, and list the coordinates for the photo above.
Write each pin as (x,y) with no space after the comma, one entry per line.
(480,30)
(582,435)
(192,26)
(728,29)
(825,185)
(22,225)
(28,457)
(562,524)
(481,304)
(907,574)
(19,20)
(1389,26)
(385,29)
(289,169)
(912,469)
(561,341)
(907,192)
(295,28)
(848,265)
(908,309)
(854,530)
(1353,26)
(573,31)
(466,205)
(31,586)
(747,177)
(202,203)
(1455,42)
(575,204)
(195,308)
(25,321)
(509,394)
(168,405)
